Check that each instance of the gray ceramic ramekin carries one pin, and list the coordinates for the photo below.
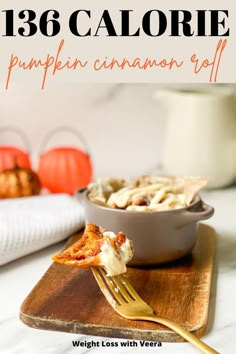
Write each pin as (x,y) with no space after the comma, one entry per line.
(158,236)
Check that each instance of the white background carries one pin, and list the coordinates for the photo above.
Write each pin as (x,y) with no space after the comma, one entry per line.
(124,124)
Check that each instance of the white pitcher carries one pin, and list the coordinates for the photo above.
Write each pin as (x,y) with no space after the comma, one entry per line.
(200,134)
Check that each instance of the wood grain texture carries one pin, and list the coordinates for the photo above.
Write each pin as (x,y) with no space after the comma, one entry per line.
(68,299)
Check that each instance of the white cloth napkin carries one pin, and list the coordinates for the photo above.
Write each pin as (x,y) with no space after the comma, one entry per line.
(30,224)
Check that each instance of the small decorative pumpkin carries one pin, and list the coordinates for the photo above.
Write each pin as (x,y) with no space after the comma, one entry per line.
(19,182)
(10,155)
(65,169)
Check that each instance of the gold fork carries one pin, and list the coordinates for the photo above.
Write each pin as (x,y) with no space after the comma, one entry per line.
(126,302)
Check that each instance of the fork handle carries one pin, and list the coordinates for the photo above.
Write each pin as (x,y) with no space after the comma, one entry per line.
(183,332)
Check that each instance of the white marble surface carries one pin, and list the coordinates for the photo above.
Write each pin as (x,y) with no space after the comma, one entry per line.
(18,278)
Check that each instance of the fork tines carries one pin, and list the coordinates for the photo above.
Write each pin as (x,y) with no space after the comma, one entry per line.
(116,289)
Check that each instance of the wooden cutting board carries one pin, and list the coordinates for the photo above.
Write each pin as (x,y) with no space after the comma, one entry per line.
(68,299)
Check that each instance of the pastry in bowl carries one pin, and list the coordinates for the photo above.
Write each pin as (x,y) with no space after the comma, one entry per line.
(145,193)
(160,214)
(98,248)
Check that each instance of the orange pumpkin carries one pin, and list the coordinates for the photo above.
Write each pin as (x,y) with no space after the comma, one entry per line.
(19,182)
(65,169)
(10,155)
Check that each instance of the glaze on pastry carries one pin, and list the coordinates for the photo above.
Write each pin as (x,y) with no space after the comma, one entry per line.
(98,248)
